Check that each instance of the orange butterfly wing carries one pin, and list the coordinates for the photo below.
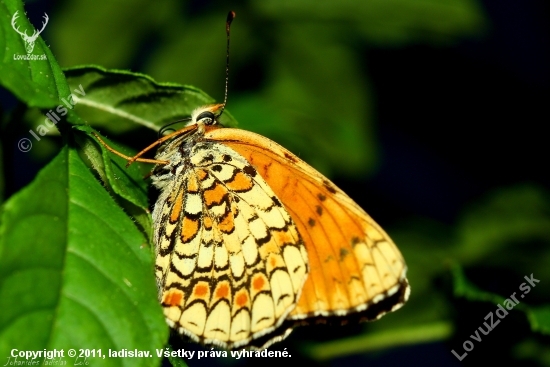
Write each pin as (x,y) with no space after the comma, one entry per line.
(353,262)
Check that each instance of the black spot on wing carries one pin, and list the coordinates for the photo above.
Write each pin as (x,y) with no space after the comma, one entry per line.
(343,253)
(264,240)
(249,170)
(329,186)
(319,210)
(290,157)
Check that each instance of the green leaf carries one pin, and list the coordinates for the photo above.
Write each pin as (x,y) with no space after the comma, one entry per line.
(382,340)
(506,216)
(38,83)
(121,101)
(176,361)
(539,317)
(74,270)
(2,177)
(125,182)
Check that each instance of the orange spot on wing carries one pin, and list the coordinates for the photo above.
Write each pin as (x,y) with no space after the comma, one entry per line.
(201,174)
(222,291)
(234,209)
(240,183)
(258,283)
(214,195)
(192,184)
(227,224)
(173,297)
(242,299)
(207,222)
(176,209)
(189,229)
(201,290)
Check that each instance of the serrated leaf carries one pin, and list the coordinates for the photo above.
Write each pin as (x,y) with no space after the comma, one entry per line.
(122,101)
(74,270)
(125,182)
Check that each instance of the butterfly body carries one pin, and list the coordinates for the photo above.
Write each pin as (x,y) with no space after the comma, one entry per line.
(250,239)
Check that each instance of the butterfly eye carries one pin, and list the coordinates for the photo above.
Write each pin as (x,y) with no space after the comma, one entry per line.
(206,118)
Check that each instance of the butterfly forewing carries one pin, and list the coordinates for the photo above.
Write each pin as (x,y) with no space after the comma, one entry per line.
(230,260)
(353,263)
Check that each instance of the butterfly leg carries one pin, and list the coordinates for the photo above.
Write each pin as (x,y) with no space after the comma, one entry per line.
(129,159)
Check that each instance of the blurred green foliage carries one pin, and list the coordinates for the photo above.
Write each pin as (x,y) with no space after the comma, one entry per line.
(308,82)
(298,76)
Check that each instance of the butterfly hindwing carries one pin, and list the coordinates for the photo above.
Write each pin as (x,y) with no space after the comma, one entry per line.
(230,261)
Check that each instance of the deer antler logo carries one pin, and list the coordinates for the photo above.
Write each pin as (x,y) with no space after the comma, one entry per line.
(29,40)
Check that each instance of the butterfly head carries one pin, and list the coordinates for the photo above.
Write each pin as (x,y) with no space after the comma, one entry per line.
(206,115)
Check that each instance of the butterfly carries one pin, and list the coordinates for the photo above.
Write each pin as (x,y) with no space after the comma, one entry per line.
(251,241)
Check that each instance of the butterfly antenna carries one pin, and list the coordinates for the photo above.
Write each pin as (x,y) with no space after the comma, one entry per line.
(230,17)
(165,127)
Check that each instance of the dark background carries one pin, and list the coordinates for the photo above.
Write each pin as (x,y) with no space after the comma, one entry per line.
(432,117)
